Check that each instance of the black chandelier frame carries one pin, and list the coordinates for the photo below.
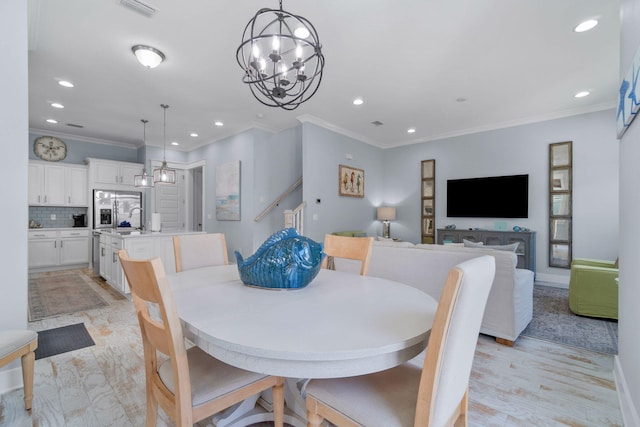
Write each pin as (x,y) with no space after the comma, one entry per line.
(268,70)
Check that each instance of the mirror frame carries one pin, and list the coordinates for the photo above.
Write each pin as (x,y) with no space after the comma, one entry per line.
(562,164)
(428,197)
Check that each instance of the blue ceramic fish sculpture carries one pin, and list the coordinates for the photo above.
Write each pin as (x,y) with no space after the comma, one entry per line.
(286,260)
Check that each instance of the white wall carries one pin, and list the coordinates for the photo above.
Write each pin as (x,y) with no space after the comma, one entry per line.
(627,365)
(520,150)
(13,174)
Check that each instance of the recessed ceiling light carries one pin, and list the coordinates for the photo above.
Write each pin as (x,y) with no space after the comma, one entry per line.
(358,101)
(193,135)
(581,94)
(586,25)
(411,130)
(218,123)
(175,143)
(52,121)
(65,83)
(301,32)
(57,105)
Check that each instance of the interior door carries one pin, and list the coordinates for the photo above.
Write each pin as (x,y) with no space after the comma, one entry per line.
(170,203)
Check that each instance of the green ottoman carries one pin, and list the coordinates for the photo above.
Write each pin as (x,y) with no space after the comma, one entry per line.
(593,290)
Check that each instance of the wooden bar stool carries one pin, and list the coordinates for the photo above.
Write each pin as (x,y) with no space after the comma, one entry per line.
(20,343)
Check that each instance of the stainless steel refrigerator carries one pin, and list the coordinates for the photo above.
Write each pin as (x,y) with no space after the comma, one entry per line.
(117,209)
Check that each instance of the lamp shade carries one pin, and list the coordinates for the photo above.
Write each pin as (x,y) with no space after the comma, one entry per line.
(386,213)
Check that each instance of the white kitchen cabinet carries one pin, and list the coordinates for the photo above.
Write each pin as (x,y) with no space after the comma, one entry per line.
(58,249)
(57,185)
(43,249)
(112,174)
(74,247)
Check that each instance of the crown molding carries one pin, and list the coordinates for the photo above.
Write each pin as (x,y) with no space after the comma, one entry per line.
(85,138)
(308,118)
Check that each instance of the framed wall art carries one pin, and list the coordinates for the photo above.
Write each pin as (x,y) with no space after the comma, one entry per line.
(350,181)
(228,191)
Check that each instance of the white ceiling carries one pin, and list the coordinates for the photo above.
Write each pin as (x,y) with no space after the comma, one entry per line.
(514,61)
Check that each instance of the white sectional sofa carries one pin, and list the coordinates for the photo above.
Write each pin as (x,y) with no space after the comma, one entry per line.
(510,305)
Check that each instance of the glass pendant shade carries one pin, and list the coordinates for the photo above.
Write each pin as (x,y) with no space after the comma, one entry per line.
(144,180)
(163,174)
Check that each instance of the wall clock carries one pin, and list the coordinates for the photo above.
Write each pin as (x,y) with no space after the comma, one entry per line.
(50,148)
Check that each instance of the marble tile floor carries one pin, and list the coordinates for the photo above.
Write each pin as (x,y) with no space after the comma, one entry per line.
(534,383)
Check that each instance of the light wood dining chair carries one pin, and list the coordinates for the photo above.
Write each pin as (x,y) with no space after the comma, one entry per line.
(20,343)
(434,393)
(353,248)
(199,250)
(189,385)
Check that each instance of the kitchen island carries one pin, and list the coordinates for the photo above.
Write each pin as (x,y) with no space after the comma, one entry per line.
(139,245)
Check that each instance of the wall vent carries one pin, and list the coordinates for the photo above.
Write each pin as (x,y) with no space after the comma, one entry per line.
(377,123)
(138,6)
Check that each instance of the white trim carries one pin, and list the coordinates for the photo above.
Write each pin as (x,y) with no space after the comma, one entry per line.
(553,279)
(308,118)
(630,416)
(10,379)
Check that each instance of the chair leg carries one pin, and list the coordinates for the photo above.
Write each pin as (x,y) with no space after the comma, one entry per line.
(313,418)
(463,417)
(278,404)
(28,365)
(152,410)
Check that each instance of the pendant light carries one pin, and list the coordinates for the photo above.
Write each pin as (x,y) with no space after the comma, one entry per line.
(144,180)
(164,174)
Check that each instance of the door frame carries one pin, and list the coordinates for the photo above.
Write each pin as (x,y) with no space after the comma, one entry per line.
(188,190)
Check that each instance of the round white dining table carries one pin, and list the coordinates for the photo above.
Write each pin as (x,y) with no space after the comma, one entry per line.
(339,325)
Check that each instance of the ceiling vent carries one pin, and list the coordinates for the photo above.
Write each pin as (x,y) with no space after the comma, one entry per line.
(138,6)
(377,123)
(74,126)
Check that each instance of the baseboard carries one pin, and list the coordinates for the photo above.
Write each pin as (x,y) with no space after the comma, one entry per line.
(553,280)
(629,412)
(10,379)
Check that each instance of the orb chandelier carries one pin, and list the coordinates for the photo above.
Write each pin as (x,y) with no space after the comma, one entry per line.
(145,180)
(163,174)
(282,58)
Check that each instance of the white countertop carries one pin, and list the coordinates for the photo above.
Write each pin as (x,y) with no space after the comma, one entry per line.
(137,233)
(58,228)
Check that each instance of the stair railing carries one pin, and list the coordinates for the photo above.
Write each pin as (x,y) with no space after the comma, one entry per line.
(295,218)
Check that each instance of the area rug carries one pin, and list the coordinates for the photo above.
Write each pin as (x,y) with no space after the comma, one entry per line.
(54,295)
(553,321)
(62,340)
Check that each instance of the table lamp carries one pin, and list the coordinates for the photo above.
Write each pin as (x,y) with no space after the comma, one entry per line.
(386,214)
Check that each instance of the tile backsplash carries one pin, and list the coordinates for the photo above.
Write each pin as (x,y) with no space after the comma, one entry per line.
(43,214)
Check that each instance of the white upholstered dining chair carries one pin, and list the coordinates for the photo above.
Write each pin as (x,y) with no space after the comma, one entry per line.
(434,394)
(189,385)
(20,343)
(351,248)
(199,250)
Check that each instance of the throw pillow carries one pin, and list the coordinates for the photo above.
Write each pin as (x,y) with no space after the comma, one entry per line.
(470,244)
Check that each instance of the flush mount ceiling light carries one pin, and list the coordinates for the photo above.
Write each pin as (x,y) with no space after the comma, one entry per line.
(144,180)
(586,25)
(163,174)
(281,57)
(148,56)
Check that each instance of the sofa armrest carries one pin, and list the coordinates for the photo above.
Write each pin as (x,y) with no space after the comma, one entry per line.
(594,263)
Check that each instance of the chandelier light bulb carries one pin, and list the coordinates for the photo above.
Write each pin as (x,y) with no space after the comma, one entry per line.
(275,44)
(256,51)
(298,52)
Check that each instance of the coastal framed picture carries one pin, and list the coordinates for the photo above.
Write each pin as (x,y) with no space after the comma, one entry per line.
(350,181)
(228,191)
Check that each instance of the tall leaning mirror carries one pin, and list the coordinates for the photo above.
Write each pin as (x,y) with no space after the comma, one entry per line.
(560,202)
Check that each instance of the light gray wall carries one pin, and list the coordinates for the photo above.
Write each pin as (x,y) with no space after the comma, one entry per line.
(519,150)
(627,366)
(278,166)
(14,122)
(322,152)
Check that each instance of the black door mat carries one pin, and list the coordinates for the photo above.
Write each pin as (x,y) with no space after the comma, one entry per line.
(63,339)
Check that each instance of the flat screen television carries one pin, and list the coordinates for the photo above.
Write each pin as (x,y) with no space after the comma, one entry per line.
(489,197)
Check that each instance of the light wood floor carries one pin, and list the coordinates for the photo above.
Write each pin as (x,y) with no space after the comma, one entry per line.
(535,383)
